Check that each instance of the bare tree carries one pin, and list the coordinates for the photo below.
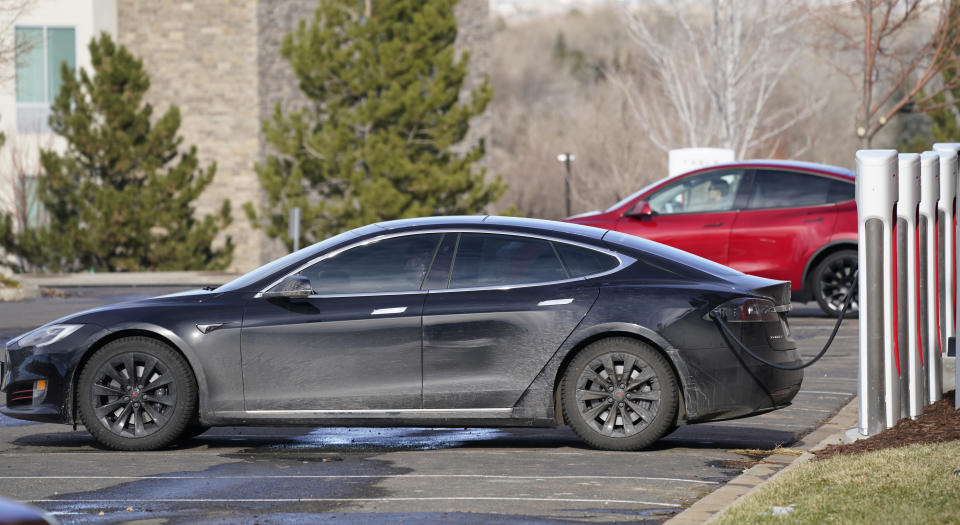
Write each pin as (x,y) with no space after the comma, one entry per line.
(10,12)
(708,79)
(901,48)
(19,194)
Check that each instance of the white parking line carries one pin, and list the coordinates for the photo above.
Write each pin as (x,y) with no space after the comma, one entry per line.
(372,476)
(349,500)
(810,410)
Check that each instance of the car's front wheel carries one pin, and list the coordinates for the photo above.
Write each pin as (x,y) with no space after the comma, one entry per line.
(620,394)
(136,393)
(832,280)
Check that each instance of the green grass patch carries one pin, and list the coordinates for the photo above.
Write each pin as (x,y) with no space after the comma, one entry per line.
(6,282)
(915,484)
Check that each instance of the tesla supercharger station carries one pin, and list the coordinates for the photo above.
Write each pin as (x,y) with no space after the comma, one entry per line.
(955,237)
(927,289)
(912,391)
(878,384)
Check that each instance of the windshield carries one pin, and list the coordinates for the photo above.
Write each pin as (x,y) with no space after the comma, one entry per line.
(272,267)
(632,196)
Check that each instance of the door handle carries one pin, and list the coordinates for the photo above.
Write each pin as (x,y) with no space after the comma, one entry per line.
(555,302)
(818,219)
(387,311)
(713,225)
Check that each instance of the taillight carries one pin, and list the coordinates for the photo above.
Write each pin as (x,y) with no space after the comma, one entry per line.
(748,309)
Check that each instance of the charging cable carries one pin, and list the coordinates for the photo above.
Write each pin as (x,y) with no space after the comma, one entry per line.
(846,304)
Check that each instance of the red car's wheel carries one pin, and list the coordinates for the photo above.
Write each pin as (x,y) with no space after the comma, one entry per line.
(832,280)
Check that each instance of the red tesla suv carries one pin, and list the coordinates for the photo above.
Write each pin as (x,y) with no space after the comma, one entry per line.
(783,220)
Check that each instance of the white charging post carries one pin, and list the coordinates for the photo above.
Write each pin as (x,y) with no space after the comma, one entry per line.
(928,289)
(947,220)
(908,334)
(878,384)
(952,337)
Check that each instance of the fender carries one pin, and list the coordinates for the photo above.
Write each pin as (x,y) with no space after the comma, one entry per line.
(164,333)
(540,393)
(691,393)
(838,243)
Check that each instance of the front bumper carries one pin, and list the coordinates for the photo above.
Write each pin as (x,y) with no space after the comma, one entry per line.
(37,380)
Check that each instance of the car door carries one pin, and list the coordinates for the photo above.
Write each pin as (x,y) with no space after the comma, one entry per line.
(789,215)
(510,303)
(355,343)
(691,214)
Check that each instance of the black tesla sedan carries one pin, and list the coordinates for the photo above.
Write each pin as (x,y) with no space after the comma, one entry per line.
(443,321)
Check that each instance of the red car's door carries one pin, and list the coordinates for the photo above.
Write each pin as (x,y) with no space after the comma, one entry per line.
(694,214)
(789,215)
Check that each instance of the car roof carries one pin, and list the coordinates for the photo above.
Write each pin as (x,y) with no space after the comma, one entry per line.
(777,163)
(497,223)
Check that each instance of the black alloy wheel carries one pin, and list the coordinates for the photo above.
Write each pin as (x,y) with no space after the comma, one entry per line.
(832,280)
(620,394)
(136,394)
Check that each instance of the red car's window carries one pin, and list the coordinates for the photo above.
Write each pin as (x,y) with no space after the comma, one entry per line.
(706,192)
(841,191)
(788,189)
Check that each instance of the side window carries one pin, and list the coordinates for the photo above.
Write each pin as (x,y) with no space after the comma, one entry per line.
(712,191)
(841,191)
(499,260)
(584,261)
(787,189)
(397,264)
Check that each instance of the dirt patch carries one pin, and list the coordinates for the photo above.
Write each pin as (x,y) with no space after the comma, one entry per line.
(939,422)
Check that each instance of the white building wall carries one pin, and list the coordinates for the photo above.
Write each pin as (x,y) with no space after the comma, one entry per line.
(88,18)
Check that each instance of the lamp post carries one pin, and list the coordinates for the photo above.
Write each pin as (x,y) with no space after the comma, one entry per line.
(566,159)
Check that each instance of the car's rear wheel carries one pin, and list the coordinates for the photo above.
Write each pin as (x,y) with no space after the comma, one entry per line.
(619,394)
(832,280)
(136,393)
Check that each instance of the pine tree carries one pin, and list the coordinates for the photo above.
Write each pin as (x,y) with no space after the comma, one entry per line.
(375,143)
(120,196)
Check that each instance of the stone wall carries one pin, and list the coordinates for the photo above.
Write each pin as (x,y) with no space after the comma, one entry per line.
(202,56)
(474,35)
(278,84)
(219,60)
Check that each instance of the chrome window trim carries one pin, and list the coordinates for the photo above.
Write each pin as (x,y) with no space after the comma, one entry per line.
(622,259)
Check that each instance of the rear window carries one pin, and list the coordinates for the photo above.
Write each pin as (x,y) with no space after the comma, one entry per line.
(841,191)
(484,259)
(584,261)
(788,189)
(672,254)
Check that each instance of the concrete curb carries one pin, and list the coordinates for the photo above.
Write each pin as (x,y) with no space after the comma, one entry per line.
(714,504)
(26,291)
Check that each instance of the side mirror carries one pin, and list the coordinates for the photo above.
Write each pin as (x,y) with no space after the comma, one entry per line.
(291,287)
(640,210)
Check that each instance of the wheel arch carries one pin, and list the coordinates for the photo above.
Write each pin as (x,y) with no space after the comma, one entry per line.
(156,333)
(821,254)
(638,333)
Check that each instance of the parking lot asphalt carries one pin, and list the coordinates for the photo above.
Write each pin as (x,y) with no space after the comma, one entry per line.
(419,475)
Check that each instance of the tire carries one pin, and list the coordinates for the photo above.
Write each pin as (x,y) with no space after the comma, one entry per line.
(136,393)
(646,399)
(831,280)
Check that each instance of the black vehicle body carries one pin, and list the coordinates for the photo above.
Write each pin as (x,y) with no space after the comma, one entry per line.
(489,356)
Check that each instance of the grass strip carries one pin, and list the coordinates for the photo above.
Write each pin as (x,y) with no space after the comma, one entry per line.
(914,484)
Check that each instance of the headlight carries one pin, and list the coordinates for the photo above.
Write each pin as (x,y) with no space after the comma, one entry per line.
(47,335)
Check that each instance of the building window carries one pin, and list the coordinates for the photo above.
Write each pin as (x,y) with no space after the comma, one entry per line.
(44,50)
